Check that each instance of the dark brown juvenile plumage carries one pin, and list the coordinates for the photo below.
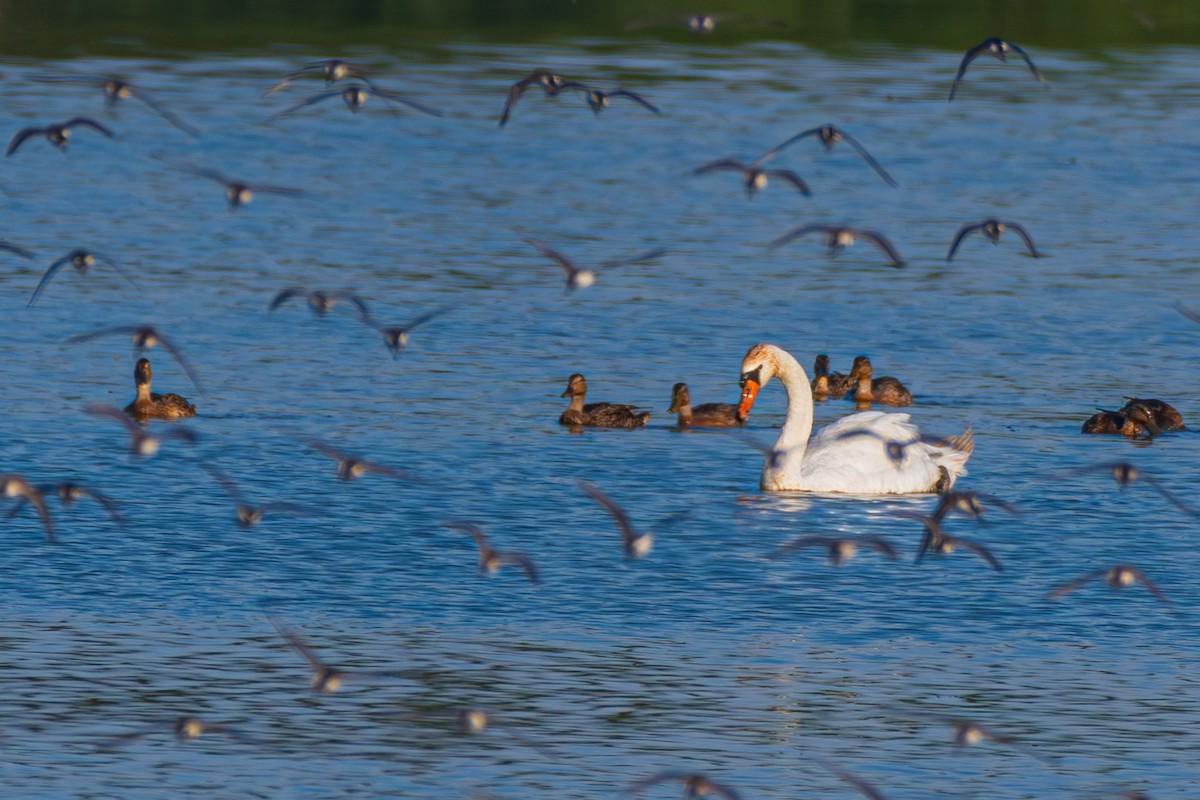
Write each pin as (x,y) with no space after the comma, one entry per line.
(150,405)
(886,390)
(825,385)
(598,415)
(709,415)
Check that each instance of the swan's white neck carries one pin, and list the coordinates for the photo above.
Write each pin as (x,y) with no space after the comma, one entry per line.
(793,439)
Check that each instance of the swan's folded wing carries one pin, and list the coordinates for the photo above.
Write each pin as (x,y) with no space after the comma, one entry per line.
(836,461)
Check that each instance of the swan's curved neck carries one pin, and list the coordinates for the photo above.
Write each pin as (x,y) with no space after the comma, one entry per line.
(793,439)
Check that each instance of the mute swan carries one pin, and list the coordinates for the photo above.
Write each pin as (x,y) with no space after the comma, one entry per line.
(833,461)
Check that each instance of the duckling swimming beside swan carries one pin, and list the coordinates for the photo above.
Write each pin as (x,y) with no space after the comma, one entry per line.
(709,415)
(598,415)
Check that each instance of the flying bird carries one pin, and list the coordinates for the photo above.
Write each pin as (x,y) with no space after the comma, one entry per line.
(840,549)
(938,542)
(695,785)
(238,192)
(350,467)
(997,48)
(829,135)
(19,487)
(144,337)
(331,70)
(992,229)
(79,260)
(396,336)
(837,238)
(581,277)
(1117,577)
(491,559)
(754,177)
(636,545)
(321,302)
(551,83)
(356,97)
(116,89)
(969,504)
(250,515)
(57,135)
(865,788)
(326,679)
(69,494)
(598,99)
(968,732)
(1126,474)
(141,443)
(16,250)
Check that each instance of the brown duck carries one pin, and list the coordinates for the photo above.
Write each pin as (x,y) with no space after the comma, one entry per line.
(1162,414)
(598,415)
(886,390)
(825,385)
(709,415)
(1134,421)
(149,405)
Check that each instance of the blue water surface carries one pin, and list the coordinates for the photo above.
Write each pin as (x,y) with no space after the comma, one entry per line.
(705,656)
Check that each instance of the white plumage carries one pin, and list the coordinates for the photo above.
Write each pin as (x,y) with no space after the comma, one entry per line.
(849,456)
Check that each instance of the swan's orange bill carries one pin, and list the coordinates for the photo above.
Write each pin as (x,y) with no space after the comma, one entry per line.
(749,393)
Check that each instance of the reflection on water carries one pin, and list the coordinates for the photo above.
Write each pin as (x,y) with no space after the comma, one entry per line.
(706,655)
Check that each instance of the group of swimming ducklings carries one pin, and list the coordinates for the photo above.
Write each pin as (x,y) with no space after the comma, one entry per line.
(1139,418)
(859,386)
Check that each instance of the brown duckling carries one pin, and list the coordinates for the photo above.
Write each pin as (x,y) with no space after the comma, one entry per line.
(709,415)
(598,415)
(149,405)
(886,390)
(1116,422)
(825,385)
(1162,414)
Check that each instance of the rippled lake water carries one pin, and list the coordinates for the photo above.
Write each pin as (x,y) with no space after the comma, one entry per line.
(705,656)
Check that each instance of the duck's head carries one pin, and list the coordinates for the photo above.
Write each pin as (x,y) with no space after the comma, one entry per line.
(861,368)
(759,366)
(1142,415)
(576,386)
(142,372)
(821,366)
(680,397)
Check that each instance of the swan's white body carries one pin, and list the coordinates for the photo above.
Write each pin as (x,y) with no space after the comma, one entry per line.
(839,458)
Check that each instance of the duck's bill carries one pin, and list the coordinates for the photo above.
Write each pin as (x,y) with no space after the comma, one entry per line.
(749,395)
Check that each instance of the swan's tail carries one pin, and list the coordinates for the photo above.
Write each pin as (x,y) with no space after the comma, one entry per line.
(965,442)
